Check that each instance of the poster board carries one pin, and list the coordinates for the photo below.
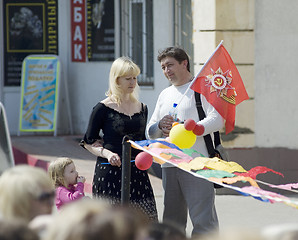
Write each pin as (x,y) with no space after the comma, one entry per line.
(39,93)
(6,156)
(29,27)
(100,30)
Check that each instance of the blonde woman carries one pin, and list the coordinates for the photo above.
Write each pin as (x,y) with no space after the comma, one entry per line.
(118,115)
(69,185)
(92,219)
(25,192)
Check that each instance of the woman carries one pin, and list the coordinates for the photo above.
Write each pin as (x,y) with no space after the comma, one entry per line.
(25,193)
(93,219)
(118,115)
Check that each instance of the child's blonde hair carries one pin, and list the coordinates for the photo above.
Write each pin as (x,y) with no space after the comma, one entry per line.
(56,171)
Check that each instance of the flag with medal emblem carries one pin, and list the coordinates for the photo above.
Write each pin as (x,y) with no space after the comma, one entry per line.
(221,84)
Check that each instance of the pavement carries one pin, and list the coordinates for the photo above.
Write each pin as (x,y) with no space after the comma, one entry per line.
(234,211)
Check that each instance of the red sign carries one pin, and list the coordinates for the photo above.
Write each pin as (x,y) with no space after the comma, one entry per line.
(78,30)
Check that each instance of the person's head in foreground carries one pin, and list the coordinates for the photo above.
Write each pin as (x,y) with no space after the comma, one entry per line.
(25,192)
(16,230)
(95,219)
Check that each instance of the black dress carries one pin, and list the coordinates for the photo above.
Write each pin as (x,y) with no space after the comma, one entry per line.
(107,178)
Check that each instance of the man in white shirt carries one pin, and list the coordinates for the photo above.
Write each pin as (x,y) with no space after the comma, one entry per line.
(182,190)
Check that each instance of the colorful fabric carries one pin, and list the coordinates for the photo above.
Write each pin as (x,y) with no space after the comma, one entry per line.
(234,180)
(219,164)
(257,170)
(288,186)
(215,174)
(143,143)
(214,170)
(173,155)
(259,191)
(195,164)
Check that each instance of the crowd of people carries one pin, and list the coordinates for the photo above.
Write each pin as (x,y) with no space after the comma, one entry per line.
(35,204)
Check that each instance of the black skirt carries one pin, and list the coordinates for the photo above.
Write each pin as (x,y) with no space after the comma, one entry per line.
(107,185)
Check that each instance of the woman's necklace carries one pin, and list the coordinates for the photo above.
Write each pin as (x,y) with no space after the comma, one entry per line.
(125,108)
(128,108)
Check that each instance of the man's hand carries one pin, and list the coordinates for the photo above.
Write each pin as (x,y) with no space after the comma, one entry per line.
(165,124)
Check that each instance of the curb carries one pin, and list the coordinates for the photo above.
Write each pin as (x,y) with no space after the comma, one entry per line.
(21,157)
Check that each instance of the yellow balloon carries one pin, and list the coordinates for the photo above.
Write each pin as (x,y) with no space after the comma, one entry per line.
(181,137)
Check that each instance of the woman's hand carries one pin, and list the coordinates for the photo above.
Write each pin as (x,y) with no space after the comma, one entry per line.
(97,149)
(114,159)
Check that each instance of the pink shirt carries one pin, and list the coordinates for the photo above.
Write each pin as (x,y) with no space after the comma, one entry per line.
(65,195)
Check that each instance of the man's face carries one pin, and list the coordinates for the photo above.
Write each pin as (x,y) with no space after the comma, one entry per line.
(173,70)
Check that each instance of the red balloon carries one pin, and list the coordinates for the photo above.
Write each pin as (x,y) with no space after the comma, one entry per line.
(189,124)
(199,129)
(143,161)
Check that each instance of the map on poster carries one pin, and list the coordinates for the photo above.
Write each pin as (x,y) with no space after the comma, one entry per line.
(39,93)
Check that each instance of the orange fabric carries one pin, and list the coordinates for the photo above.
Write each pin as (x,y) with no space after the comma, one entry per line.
(235,179)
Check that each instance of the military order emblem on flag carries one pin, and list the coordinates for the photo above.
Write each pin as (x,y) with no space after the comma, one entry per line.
(221,84)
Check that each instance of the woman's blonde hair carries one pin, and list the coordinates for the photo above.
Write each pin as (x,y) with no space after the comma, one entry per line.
(56,171)
(122,67)
(64,224)
(96,219)
(19,186)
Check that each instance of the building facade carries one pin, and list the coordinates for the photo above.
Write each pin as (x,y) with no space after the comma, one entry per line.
(260,36)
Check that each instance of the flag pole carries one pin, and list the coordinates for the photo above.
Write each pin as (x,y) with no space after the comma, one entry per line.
(194,79)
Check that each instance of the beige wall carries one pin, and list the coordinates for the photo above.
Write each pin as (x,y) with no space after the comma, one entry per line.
(261,37)
(276,77)
(233,22)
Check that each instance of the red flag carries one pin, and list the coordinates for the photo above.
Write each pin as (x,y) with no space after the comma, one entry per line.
(221,84)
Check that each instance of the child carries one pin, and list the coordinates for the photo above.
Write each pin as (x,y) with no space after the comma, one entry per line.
(64,177)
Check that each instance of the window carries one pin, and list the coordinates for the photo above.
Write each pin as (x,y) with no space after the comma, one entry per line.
(137,36)
(183,27)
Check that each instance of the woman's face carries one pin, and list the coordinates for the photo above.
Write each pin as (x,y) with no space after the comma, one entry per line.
(127,83)
(70,174)
(43,204)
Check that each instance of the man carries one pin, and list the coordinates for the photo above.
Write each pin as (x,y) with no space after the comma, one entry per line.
(182,190)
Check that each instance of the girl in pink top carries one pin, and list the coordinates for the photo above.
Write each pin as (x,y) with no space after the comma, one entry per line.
(69,185)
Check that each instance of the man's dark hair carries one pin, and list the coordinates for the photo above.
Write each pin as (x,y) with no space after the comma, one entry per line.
(175,52)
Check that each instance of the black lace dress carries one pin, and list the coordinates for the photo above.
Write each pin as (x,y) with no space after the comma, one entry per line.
(107,178)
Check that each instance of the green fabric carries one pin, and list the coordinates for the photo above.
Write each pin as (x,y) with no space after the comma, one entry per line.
(190,151)
(215,173)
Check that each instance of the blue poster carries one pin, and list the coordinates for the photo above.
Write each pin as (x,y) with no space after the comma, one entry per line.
(39,93)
